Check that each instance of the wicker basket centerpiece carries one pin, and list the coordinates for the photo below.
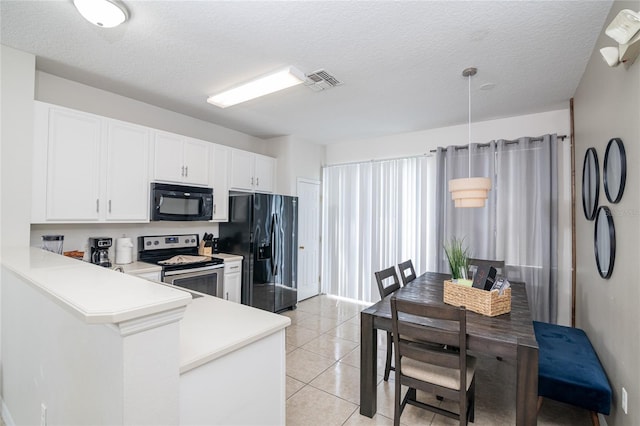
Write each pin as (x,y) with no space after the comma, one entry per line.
(488,303)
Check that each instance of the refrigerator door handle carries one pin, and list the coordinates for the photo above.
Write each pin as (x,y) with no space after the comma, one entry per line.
(273,263)
(275,234)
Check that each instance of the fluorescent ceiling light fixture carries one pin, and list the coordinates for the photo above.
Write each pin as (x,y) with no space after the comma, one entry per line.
(102,13)
(270,83)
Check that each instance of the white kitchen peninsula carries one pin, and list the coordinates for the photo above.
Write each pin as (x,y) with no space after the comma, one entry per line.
(87,345)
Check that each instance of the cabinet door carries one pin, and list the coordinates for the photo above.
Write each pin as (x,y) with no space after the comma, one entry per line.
(167,164)
(196,161)
(264,172)
(220,183)
(233,280)
(73,170)
(242,169)
(127,172)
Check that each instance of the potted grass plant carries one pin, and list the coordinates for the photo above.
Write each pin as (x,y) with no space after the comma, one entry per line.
(457,255)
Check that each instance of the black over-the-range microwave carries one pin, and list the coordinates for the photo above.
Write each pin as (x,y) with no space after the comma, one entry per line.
(180,202)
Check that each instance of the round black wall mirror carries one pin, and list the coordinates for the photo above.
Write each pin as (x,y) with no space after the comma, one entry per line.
(615,170)
(605,242)
(590,183)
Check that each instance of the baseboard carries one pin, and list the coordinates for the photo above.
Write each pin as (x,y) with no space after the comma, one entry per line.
(6,416)
(603,421)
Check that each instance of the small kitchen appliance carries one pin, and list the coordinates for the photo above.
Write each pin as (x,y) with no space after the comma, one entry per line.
(53,243)
(180,202)
(124,250)
(99,251)
(181,264)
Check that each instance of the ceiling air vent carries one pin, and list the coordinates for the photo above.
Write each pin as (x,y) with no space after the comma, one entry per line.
(321,80)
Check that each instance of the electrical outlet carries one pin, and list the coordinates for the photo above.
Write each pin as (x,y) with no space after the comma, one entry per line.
(43,415)
(624,400)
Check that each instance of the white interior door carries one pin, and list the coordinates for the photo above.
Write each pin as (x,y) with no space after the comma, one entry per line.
(308,238)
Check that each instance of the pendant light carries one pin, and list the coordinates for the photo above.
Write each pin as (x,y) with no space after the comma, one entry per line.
(469,192)
(102,13)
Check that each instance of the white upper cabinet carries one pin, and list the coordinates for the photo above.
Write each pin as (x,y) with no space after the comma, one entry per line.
(251,172)
(220,183)
(180,159)
(265,168)
(87,168)
(127,172)
(72,165)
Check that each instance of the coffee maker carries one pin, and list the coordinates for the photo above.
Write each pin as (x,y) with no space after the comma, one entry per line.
(99,251)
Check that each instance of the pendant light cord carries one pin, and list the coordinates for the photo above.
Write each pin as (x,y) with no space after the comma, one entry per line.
(469,126)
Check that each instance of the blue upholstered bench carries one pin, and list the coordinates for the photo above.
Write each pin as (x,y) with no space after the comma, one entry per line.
(569,370)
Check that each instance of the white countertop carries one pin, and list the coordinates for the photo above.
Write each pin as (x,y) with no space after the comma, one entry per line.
(227,257)
(213,327)
(93,293)
(138,267)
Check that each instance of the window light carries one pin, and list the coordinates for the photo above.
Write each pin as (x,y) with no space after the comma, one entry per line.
(270,83)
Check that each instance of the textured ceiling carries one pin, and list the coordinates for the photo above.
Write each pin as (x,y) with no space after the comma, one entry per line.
(400,61)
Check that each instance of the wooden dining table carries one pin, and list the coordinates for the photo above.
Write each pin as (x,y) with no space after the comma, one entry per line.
(509,336)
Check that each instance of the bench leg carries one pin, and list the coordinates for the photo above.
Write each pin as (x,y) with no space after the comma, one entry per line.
(540,399)
(594,419)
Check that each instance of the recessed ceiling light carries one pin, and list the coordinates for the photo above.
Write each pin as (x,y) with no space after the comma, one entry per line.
(261,86)
(102,13)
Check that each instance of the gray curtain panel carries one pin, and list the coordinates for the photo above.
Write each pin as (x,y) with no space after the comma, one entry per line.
(519,223)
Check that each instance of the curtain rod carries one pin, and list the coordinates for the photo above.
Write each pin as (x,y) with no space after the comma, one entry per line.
(430,153)
(507,142)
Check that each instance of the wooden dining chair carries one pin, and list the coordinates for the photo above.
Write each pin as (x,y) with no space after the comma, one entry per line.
(422,363)
(388,282)
(407,273)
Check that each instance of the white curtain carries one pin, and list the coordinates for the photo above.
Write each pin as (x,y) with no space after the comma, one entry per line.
(520,221)
(375,215)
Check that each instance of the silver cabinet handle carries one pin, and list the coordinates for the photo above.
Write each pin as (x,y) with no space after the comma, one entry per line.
(233,267)
(97,205)
(182,173)
(109,206)
(252,181)
(214,209)
(227,296)
(186,171)
(257,181)
(301,247)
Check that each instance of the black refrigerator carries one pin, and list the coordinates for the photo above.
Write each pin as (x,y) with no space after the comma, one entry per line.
(263,229)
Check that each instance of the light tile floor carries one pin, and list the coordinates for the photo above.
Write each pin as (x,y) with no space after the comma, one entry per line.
(323,374)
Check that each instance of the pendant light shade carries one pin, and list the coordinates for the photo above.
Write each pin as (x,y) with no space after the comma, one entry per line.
(469,192)
(102,13)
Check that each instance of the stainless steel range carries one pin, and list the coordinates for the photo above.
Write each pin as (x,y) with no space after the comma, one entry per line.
(181,264)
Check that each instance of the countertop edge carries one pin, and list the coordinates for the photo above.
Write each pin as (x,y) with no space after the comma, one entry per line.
(238,344)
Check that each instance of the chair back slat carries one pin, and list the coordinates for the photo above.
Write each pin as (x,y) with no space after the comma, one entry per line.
(421,333)
(430,354)
(407,272)
(387,281)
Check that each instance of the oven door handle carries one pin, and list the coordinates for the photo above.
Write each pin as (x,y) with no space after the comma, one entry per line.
(188,272)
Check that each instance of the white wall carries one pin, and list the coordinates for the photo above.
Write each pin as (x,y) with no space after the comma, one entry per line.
(60,91)
(420,143)
(297,158)
(607,105)
(15,151)
(417,143)
(76,235)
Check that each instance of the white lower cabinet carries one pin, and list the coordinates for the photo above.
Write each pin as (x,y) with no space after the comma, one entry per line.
(151,276)
(233,280)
